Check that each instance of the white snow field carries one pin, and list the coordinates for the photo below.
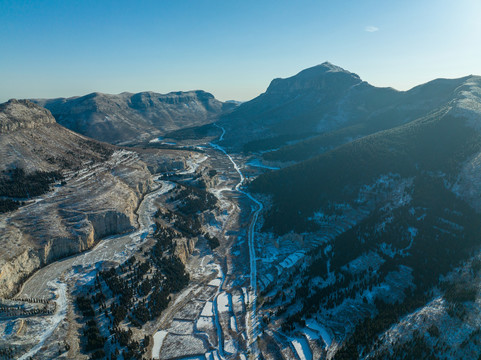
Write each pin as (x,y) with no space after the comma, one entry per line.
(159,337)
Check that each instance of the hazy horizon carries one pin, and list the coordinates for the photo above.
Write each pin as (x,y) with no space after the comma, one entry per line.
(232,50)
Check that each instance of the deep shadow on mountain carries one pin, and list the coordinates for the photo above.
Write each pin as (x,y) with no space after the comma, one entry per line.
(439,142)
(326,106)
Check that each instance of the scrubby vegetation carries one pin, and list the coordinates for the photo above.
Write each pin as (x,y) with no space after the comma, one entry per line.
(194,132)
(273,142)
(131,294)
(93,341)
(189,225)
(212,241)
(193,200)
(438,143)
(18,184)
(446,235)
(431,233)
(7,205)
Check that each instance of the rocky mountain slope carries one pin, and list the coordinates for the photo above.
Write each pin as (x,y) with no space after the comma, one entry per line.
(395,215)
(415,103)
(16,115)
(327,106)
(128,117)
(89,190)
(441,141)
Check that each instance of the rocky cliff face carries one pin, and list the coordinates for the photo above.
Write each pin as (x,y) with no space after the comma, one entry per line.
(128,117)
(184,248)
(71,219)
(31,139)
(14,272)
(100,196)
(22,114)
(109,223)
(34,255)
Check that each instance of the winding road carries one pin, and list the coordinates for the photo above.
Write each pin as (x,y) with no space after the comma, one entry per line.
(252,321)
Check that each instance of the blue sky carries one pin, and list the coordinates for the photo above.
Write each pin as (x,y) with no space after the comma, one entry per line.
(61,48)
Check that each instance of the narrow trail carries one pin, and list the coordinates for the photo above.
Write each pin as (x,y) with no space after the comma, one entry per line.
(251,317)
(215,312)
(54,321)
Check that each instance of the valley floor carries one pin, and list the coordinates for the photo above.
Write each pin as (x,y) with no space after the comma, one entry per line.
(214,317)
(241,296)
(225,310)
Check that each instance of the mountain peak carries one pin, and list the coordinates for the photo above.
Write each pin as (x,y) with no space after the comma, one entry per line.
(319,77)
(327,66)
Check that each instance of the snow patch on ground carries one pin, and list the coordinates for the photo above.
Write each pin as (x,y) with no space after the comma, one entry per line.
(364,262)
(207,310)
(230,346)
(259,164)
(223,302)
(166,187)
(233,324)
(155,140)
(181,327)
(193,163)
(53,321)
(204,323)
(216,282)
(319,329)
(291,260)
(469,102)
(159,337)
(302,348)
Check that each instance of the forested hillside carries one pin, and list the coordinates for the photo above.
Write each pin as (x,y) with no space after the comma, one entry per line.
(436,143)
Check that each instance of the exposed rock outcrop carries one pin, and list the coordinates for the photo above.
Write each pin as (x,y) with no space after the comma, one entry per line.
(15,271)
(22,114)
(109,223)
(184,248)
